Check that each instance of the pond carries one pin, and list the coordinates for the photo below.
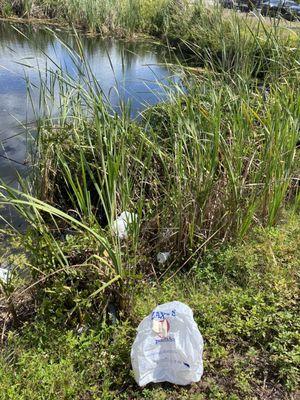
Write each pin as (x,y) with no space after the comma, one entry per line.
(134,70)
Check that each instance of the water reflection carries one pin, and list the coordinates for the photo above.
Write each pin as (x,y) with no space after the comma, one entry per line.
(129,67)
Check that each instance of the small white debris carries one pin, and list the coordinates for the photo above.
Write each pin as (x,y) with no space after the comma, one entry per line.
(167,233)
(163,257)
(120,225)
(80,330)
(4,275)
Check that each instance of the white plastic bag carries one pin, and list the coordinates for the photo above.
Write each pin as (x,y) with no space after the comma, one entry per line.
(168,347)
(162,257)
(120,225)
(4,275)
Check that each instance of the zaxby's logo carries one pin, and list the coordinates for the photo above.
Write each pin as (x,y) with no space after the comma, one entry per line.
(162,329)
(162,315)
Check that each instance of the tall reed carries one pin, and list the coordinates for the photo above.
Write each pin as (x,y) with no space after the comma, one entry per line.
(119,17)
(202,168)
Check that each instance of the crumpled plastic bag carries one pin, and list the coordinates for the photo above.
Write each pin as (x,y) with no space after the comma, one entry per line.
(4,275)
(162,257)
(168,347)
(120,225)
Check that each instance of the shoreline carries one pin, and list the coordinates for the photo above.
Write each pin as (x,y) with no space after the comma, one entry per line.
(44,22)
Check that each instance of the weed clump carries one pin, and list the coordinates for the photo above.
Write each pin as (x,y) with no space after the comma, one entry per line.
(245,302)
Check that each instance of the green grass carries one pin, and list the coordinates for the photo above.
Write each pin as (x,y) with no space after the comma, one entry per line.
(171,20)
(245,301)
(215,162)
(122,18)
(203,168)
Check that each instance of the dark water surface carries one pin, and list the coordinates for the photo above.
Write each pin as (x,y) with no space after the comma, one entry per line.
(131,68)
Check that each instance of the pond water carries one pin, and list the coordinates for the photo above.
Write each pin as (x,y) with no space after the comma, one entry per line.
(135,69)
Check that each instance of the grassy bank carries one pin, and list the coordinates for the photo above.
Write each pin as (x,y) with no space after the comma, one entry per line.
(122,18)
(171,20)
(200,171)
(245,300)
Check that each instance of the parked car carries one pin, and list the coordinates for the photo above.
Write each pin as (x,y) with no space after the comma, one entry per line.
(228,3)
(288,9)
(235,4)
